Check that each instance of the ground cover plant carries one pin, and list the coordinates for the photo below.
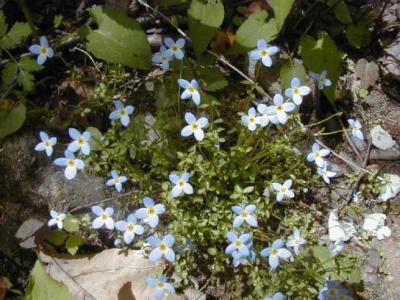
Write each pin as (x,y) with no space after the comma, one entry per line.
(212,132)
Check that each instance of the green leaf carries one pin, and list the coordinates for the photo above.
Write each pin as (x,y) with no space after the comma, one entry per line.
(119,39)
(43,287)
(255,28)
(29,64)
(3,24)
(18,32)
(71,224)
(11,121)
(9,73)
(289,71)
(58,237)
(213,79)
(73,243)
(322,54)
(281,11)
(25,79)
(358,35)
(96,138)
(342,13)
(204,18)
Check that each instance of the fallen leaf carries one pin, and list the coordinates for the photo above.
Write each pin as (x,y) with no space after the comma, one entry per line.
(368,72)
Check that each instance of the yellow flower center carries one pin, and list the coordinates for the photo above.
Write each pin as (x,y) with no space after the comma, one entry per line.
(81,141)
(104,216)
(191,89)
(151,211)
(195,126)
(162,247)
(296,91)
(245,214)
(117,180)
(181,183)
(160,284)
(47,144)
(264,53)
(274,251)
(341,297)
(71,163)
(280,108)
(130,227)
(238,243)
(317,154)
(252,120)
(332,292)
(122,112)
(43,50)
(283,189)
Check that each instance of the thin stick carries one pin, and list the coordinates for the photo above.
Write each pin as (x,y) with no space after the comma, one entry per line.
(90,57)
(353,147)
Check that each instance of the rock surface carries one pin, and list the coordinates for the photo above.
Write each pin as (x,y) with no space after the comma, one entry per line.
(381,138)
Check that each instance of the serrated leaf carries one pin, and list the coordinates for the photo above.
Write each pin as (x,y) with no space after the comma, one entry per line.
(58,237)
(43,287)
(25,79)
(368,72)
(18,32)
(29,64)
(289,71)
(342,13)
(73,243)
(254,28)
(281,11)
(71,224)
(118,39)
(213,79)
(3,24)
(204,18)
(11,121)
(322,54)
(358,35)
(9,73)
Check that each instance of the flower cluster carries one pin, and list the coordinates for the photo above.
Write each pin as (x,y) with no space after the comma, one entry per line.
(167,53)
(317,155)
(333,290)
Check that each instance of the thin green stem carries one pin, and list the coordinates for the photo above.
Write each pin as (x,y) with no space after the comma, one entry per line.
(329,133)
(325,120)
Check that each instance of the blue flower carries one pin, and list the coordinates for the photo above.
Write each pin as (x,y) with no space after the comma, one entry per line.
(56,219)
(175,48)
(275,253)
(43,50)
(321,79)
(129,228)
(46,144)
(239,259)
(122,112)
(251,119)
(263,52)
(334,291)
(116,180)
(356,127)
(295,241)
(283,190)
(70,163)
(317,155)
(161,285)
(191,90)
(336,248)
(149,214)
(297,91)
(182,186)
(162,248)
(280,109)
(162,58)
(325,173)
(276,296)
(238,244)
(103,217)
(194,126)
(244,215)
(81,141)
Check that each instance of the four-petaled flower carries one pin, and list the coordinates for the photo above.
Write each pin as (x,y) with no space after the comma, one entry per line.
(162,58)
(333,291)
(47,143)
(181,184)
(122,112)
(191,90)
(129,228)
(116,180)
(275,253)
(280,109)
(239,259)
(317,155)
(356,127)
(150,212)
(103,217)
(295,241)
(266,115)
(325,173)
(283,190)
(162,286)
(80,141)
(336,247)
(56,219)
(43,50)
(194,126)
(321,79)
(250,120)
(297,91)
(71,163)
(238,244)
(244,215)
(263,52)
(175,48)
(276,296)
(161,248)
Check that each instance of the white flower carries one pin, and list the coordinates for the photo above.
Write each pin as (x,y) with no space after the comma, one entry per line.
(181,184)
(317,155)
(339,230)
(263,52)
(296,241)
(250,120)
(57,219)
(336,247)
(175,48)
(279,109)
(195,126)
(297,91)
(325,173)
(283,190)
(162,58)
(71,163)
(356,127)
(321,79)
(129,228)
(122,112)
(266,115)
(80,141)
(191,90)
(375,224)
(46,143)
(116,180)
(103,217)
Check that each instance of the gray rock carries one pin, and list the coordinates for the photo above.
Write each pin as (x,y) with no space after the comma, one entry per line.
(372,100)
(381,138)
